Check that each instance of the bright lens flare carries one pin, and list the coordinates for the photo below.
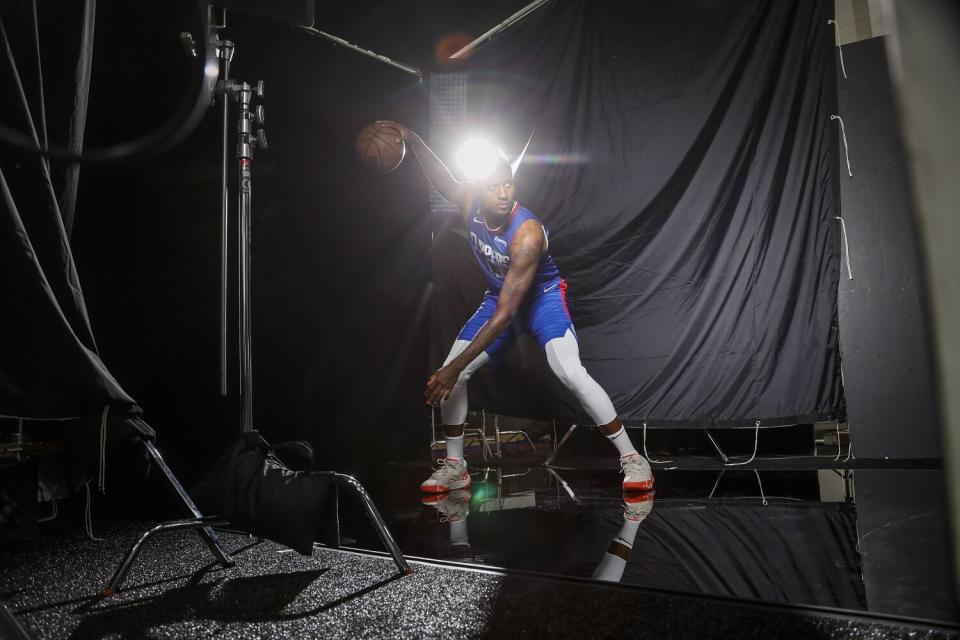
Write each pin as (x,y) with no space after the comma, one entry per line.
(477,158)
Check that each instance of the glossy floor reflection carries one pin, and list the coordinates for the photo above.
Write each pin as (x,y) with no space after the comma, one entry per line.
(866,540)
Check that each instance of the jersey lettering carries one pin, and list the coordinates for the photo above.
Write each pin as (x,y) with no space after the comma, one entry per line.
(490,248)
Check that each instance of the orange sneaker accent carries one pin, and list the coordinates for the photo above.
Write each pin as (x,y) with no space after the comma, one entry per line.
(637,497)
(434,488)
(432,499)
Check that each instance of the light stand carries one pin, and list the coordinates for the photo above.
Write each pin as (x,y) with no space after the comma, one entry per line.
(225,55)
(248,139)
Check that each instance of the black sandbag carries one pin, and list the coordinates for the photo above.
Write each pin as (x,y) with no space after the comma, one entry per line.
(251,487)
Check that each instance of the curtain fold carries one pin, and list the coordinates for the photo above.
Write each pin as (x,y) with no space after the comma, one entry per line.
(50,367)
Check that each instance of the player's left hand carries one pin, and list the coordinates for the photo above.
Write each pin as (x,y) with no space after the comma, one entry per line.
(405,134)
(441,384)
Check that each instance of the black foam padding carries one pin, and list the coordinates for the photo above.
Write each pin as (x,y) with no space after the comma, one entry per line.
(251,486)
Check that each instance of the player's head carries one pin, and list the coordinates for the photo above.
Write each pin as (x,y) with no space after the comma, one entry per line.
(496,190)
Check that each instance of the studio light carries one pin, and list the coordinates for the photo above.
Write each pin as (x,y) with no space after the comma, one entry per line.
(477,158)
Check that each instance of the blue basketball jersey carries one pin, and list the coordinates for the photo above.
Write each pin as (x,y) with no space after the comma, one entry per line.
(490,247)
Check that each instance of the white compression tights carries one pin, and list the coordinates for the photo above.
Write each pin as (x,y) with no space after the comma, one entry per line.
(453,410)
(563,356)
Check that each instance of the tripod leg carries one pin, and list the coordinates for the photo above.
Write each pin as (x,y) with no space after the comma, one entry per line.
(206,533)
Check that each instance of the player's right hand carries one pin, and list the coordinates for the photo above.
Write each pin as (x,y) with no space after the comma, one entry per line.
(441,384)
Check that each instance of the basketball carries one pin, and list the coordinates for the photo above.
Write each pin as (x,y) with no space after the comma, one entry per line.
(380,147)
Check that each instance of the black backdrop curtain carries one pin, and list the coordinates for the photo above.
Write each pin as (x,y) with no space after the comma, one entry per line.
(49,364)
(684,160)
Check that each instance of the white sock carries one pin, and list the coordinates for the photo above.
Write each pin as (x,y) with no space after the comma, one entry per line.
(621,441)
(455,447)
(610,568)
(628,532)
(458,532)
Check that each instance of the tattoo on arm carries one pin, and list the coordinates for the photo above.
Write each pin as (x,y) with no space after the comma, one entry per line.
(525,252)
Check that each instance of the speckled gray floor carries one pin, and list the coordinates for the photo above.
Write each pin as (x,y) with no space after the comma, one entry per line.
(51,584)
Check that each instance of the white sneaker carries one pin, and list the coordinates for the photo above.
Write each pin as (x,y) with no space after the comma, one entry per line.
(451,474)
(636,473)
(637,506)
(453,506)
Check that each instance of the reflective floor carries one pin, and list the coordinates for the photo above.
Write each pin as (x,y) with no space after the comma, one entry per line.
(859,539)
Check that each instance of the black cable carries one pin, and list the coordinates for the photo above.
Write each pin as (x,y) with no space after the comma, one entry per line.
(168,135)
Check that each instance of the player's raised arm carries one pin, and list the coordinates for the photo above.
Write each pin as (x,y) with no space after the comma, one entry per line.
(459,193)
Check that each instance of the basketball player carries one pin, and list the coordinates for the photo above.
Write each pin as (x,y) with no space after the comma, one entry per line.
(524,284)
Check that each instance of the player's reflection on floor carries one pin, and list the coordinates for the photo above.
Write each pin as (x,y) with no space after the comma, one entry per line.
(454,507)
(636,508)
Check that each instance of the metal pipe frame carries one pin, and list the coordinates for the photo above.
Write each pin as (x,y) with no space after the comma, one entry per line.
(559,445)
(506,24)
(756,473)
(247,140)
(366,52)
(563,483)
(482,437)
(498,434)
(175,525)
(207,533)
(353,485)
(205,524)
(246,330)
(723,456)
(225,52)
(524,434)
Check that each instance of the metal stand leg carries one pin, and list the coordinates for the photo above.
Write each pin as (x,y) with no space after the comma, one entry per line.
(717,483)
(484,445)
(563,441)
(647,455)
(376,519)
(134,551)
(763,496)
(723,456)
(433,430)
(563,483)
(206,533)
(487,451)
(756,440)
(225,55)
(726,458)
(760,484)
